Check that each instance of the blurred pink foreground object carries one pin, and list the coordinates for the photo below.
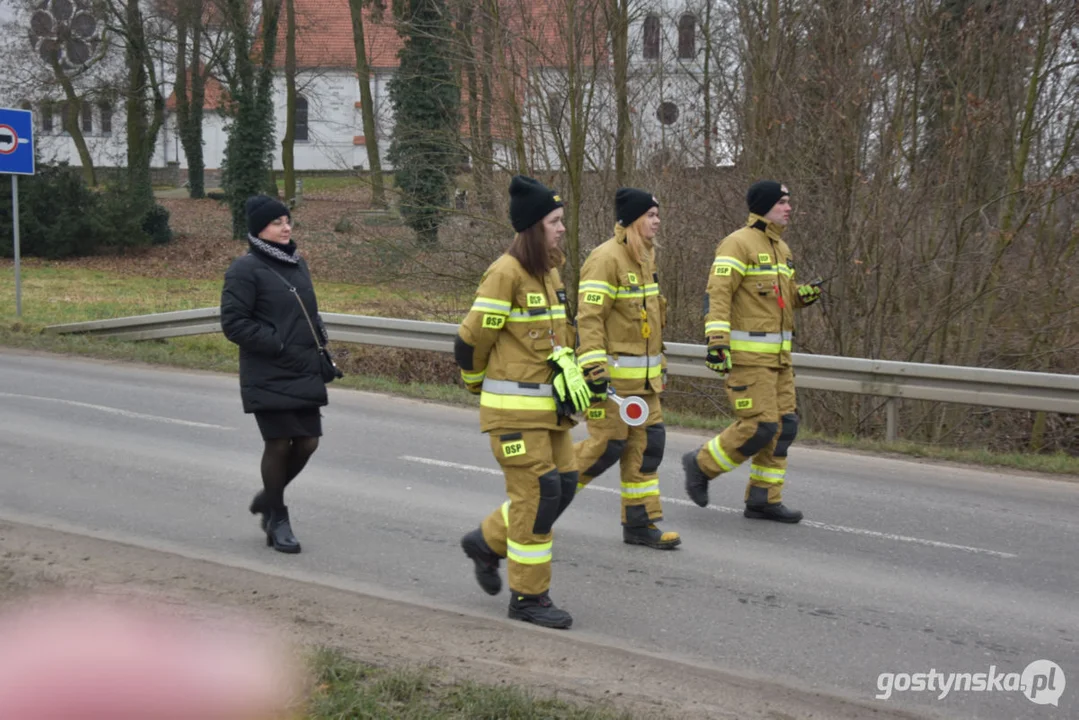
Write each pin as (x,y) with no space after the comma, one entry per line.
(75,659)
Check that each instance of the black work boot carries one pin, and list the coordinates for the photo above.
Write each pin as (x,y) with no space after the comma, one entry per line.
(538,609)
(279,532)
(639,529)
(651,536)
(485,559)
(696,480)
(758,508)
(260,507)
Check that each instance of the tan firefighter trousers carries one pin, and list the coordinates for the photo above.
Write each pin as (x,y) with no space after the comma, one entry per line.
(763,400)
(541,478)
(637,450)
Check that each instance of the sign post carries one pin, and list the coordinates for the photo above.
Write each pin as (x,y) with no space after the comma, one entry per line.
(16,158)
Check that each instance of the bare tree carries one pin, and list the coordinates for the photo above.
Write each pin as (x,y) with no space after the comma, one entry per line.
(190,100)
(367,103)
(288,142)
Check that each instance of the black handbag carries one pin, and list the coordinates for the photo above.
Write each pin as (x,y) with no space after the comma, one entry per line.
(327,366)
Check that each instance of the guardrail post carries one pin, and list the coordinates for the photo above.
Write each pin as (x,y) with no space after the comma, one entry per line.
(891,419)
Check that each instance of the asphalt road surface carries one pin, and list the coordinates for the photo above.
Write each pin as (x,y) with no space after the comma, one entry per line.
(900,568)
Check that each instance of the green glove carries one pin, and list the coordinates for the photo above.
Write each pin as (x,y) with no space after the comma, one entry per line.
(569,383)
(809,294)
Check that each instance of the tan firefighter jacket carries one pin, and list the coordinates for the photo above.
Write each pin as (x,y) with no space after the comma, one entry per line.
(515,322)
(620,319)
(752,294)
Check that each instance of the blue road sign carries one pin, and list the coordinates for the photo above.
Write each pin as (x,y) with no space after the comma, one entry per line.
(16,142)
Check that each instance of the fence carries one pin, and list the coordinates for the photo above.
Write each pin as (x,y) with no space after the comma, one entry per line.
(986,387)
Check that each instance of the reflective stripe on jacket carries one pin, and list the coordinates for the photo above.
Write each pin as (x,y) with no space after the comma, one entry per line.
(610,327)
(515,322)
(752,295)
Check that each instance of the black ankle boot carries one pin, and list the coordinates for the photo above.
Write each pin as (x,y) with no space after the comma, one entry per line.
(758,508)
(260,507)
(540,610)
(279,532)
(696,480)
(477,549)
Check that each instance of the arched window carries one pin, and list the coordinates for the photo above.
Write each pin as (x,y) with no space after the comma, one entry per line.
(46,110)
(301,118)
(556,107)
(105,108)
(86,115)
(687,37)
(651,37)
(65,124)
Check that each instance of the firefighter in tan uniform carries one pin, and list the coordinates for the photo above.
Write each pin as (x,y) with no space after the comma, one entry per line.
(515,350)
(749,328)
(620,342)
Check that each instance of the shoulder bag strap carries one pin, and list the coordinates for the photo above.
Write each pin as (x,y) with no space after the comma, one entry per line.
(295,294)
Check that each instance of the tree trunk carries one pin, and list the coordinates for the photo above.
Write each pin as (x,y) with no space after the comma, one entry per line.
(288,143)
(484,168)
(189,103)
(192,137)
(706,84)
(618,20)
(367,105)
(71,123)
(466,29)
(578,125)
(508,80)
(144,115)
(248,167)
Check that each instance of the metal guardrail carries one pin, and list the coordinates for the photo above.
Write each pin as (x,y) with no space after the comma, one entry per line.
(986,387)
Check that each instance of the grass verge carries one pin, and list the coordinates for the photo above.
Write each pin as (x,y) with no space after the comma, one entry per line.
(57,295)
(64,295)
(348,689)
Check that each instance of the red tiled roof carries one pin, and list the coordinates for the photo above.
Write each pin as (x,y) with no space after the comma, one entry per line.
(213,97)
(324,36)
(536,29)
(212,13)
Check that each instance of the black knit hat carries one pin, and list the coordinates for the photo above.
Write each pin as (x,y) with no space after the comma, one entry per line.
(631,203)
(261,211)
(530,201)
(763,195)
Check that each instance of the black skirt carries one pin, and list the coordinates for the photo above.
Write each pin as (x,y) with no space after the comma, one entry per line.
(280,424)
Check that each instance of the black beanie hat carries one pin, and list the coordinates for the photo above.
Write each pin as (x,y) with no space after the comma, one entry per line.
(631,203)
(261,211)
(763,195)
(530,201)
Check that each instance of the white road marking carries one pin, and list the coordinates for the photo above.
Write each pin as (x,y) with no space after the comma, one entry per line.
(118,411)
(736,511)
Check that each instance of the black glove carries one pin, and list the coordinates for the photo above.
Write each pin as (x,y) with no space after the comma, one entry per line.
(597,378)
(718,359)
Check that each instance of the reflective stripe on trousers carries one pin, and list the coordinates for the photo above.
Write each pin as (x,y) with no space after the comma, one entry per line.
(521,553)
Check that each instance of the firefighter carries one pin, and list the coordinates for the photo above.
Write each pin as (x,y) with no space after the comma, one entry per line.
(749,327)
(515,350)
(620,329)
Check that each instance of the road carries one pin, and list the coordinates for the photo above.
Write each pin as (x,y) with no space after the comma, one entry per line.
(900,566)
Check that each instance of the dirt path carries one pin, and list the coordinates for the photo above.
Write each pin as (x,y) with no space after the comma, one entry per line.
(34,560)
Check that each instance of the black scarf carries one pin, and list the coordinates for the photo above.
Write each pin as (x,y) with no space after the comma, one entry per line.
(283,253)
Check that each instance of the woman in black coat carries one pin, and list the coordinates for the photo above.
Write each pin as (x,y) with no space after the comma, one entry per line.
(280,368)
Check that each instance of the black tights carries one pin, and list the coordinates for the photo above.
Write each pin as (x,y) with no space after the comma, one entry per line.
(282,461)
